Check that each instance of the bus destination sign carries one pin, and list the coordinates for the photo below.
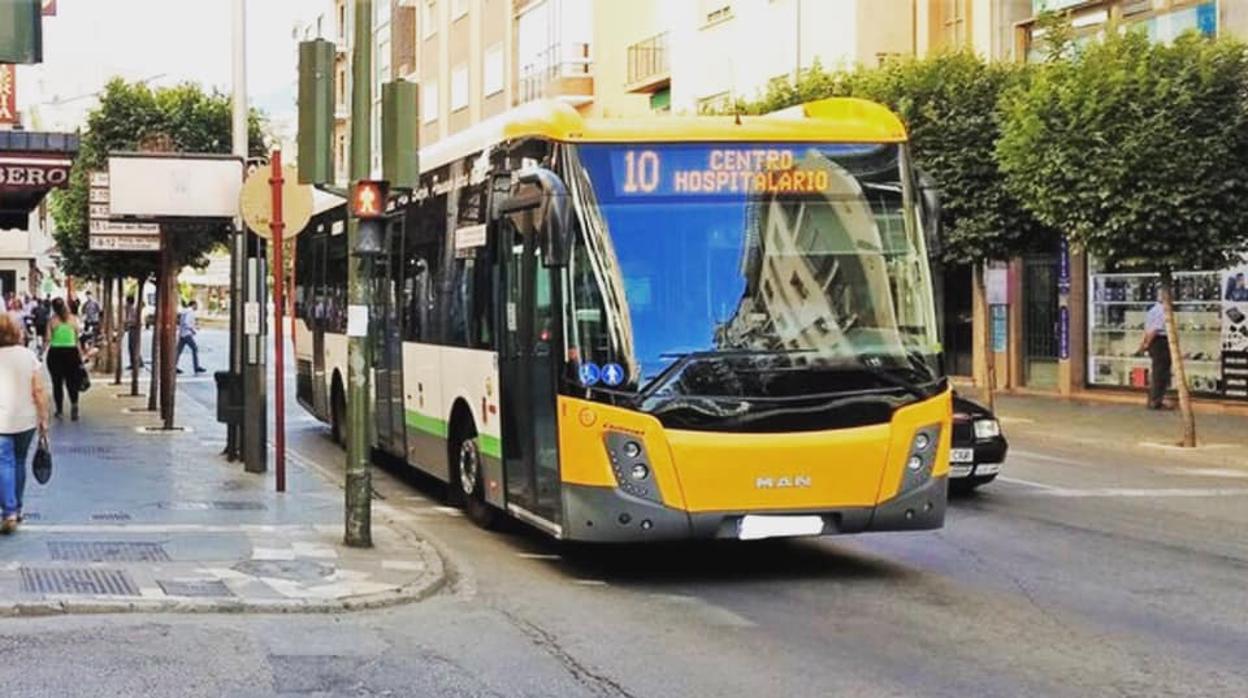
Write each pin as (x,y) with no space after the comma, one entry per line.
(717,171)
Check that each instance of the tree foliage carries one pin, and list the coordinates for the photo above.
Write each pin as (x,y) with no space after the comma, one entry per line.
(129,115)
(1137,151)
(949,105)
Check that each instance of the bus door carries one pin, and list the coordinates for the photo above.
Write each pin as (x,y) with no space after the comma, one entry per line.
(528,365)
(387,337)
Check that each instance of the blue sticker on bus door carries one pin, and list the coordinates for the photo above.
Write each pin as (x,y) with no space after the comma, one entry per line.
(589,374)
(612,374)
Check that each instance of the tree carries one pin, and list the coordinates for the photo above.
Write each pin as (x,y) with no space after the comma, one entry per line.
(1139,153)
(949,105)
(129,115)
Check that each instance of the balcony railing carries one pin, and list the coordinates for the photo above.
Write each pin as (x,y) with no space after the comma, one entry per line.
(648,60)
(557,73)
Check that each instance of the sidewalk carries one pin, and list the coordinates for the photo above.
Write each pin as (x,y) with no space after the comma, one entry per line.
(159,522)
(1126,428)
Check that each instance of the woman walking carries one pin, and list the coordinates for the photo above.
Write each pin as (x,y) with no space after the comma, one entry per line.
(23,408)
(64,361)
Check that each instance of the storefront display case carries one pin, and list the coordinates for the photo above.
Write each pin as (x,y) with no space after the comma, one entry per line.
(1118,304)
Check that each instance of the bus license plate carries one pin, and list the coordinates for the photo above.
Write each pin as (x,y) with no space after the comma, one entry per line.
(759,527)
(962,455)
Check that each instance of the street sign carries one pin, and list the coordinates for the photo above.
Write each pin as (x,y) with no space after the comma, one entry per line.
(123,243)
(120,234)
(256,202)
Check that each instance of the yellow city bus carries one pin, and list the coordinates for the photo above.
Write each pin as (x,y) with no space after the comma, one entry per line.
(653,329)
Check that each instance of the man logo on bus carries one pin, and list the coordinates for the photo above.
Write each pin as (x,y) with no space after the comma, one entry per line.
(782,482)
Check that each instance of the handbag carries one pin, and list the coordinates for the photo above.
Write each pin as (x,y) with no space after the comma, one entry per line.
(42,464)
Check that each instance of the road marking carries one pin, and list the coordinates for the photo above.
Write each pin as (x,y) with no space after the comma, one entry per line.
(537,556)
(1151,493)
(1028,483)
(1031,455)
(1207,472)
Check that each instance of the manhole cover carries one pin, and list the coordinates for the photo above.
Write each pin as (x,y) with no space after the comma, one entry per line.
(294,570)
(85,450)
(77,581)
(110,516)
(194,587)
(107,551)
(219,506)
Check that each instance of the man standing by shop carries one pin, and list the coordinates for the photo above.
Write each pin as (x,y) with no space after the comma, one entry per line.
(1158,348)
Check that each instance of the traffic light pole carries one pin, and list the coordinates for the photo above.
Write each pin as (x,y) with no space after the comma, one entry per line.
(359,486)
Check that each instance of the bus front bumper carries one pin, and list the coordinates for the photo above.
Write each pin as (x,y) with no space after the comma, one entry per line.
(607,515)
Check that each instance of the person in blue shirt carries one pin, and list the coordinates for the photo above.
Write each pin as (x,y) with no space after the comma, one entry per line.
(187,329)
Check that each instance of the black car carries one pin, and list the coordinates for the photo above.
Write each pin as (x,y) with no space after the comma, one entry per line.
(978,448)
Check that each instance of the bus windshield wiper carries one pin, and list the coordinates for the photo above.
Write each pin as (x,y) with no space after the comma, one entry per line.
(686,358)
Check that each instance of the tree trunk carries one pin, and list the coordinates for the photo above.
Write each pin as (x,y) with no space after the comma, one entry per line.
(104,338)
(153,386)
(1176,360)
(136,339)
(118,310)
(990,358)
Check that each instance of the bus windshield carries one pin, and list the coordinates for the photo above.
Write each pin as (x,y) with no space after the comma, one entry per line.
(748,270)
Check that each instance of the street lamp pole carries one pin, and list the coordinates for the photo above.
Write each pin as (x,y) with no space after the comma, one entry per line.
(359,486)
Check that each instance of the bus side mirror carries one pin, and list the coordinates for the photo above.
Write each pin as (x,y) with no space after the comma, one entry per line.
(929,206)
(539,204)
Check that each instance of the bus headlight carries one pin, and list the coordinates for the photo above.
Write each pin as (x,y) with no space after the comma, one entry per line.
(921,459)
(640,471)
(987,428)
(632,466)
(632,449)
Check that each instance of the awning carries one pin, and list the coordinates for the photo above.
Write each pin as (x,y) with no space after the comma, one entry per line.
(31,164)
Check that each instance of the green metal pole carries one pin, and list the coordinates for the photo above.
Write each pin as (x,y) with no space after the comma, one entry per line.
(359,487)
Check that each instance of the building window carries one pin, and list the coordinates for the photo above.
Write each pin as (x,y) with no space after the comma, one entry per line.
(953,22)
(459,87)
(492,71)
(716,11)
(429,101)
(428,23)
(459,8)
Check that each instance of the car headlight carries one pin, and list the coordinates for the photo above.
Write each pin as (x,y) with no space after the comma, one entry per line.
(987,429)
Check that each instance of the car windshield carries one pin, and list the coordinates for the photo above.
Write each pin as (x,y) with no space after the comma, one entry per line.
(747,270)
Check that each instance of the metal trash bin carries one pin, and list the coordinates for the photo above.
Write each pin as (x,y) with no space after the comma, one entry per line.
(229,397)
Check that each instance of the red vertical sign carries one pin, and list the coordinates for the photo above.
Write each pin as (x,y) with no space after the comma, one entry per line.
(8,93)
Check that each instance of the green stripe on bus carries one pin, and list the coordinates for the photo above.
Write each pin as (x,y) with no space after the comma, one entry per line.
(425,423)
(490,445)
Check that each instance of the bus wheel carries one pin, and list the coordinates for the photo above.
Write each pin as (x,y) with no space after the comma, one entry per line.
(469,480)
(338,415)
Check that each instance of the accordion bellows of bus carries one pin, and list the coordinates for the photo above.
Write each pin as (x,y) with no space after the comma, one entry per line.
(655,328)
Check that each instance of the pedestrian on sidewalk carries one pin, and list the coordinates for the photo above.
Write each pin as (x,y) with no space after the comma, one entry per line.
(1158,348)
(90,317)
(39,316)
(63,359)
(188,327)
(23,409)
(134,334)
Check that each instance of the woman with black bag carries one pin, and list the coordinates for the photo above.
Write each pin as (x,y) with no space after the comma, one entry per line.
(23,409)
(64,360)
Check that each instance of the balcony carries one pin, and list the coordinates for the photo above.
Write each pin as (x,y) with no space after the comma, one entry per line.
(648,67)
(562,72)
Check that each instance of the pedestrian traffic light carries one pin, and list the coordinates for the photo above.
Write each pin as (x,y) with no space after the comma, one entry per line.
(21,31)
(316,103)
(368,198)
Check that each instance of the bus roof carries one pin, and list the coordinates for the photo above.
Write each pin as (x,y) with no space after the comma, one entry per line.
(839,119)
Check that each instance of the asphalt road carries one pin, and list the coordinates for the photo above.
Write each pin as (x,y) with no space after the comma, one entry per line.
(1079,573)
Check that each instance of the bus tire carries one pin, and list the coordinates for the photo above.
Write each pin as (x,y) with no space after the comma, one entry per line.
(338,414)
(468,479)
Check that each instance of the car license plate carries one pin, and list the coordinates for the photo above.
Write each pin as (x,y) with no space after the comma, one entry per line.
(962,455)
(759,527)
(988,469)
(960,470)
